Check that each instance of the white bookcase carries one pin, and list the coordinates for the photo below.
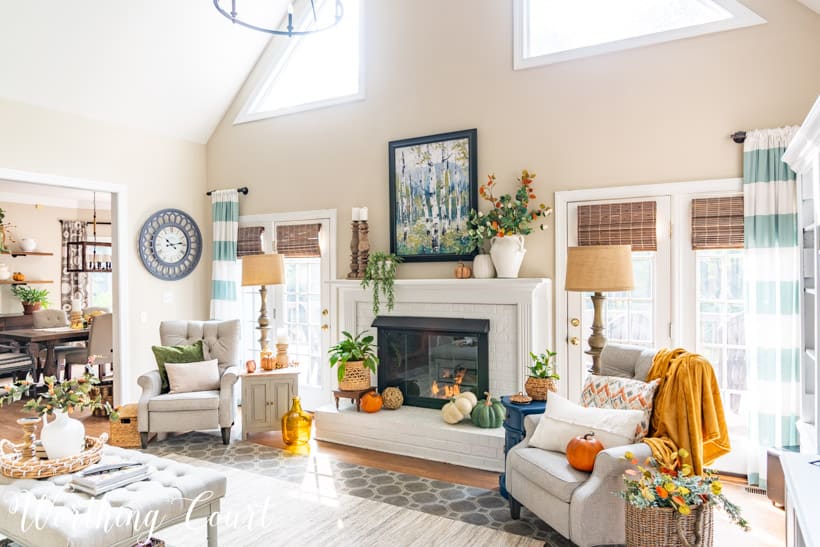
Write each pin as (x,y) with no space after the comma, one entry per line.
(803,156)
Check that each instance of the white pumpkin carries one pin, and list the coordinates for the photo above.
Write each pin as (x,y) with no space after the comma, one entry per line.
(464,406)
(451,413)
(470,396)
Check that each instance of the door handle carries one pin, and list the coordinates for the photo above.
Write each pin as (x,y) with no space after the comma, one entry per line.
(325,327)
(575,322)
(574,341)
(325,312)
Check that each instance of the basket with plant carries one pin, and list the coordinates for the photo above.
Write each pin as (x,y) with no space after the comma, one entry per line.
(542,375)
(354,358)
(667,505)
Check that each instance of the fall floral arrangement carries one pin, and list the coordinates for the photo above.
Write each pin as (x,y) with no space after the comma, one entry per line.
(66,396)
(510,213)
(674,485)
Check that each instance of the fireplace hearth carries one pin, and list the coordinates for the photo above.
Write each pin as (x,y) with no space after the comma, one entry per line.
(431,359)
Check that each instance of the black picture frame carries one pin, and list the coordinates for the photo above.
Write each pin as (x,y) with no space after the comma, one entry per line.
(422,171)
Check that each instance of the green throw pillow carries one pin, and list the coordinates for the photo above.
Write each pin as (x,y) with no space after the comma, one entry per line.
(176,354)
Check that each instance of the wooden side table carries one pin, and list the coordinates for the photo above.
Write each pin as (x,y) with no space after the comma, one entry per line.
(355,395)
(266,397)
(514,429)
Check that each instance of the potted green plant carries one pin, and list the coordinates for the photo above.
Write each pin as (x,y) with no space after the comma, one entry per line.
(32,299)
(354,358)
(542,375)
(667,504)
(380,274)
(64,436)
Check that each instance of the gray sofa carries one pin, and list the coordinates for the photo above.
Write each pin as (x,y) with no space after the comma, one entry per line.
(580,506)
(170,412)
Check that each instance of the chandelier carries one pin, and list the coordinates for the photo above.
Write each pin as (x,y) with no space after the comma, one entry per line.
(233,15)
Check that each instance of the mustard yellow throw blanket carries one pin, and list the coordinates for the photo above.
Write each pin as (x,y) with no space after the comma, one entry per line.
(687,411)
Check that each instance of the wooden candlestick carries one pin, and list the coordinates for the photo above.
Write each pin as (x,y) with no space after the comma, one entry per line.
(281,355)
(354,251)
(364,248)
(29,430)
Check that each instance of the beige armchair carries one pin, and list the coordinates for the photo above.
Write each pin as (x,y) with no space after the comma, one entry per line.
(580,506)
(169,412)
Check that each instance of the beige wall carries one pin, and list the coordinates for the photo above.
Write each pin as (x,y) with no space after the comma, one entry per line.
(655,114)
(158,172)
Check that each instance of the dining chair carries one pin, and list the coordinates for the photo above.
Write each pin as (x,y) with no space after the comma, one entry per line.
(100,344)
(54,318)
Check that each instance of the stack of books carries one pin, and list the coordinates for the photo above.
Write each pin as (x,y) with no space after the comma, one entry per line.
(99,479)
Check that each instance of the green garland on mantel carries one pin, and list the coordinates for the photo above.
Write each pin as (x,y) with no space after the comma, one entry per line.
(380,273)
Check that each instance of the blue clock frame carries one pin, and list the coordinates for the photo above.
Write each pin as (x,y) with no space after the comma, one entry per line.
(170,218)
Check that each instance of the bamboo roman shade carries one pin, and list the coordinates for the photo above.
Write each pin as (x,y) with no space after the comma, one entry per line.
(249,241)
(618,224)
(717,223)
(298,240)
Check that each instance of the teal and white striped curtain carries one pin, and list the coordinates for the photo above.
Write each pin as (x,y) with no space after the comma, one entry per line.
(225,269)
(772,270)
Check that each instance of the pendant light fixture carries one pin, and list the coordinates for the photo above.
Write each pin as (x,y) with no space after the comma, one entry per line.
(234,16)
(83,256)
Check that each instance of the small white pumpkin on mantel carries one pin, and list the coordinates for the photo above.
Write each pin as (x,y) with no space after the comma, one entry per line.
(459,408)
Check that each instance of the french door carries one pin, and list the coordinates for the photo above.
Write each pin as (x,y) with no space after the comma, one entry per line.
(298,309)
(640,317)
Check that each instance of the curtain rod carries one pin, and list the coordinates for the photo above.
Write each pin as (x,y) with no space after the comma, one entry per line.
(242,190)
(738,136)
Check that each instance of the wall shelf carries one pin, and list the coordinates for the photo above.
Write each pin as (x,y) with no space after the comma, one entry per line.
(26,282)
(24,253)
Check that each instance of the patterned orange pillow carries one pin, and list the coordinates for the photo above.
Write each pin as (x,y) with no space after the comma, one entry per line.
(621,393)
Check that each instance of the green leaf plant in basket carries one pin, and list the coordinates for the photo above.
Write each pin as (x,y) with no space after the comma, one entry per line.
(351,349)
(542,375)
(672,486)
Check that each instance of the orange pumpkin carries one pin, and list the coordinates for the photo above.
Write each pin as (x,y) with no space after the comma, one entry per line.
(371,402)
(581,451)
(462,271)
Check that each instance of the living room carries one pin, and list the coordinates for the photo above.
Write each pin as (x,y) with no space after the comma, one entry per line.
(340,139)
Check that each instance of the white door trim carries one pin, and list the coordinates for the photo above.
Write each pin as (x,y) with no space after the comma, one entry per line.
(123,383)
(679,193)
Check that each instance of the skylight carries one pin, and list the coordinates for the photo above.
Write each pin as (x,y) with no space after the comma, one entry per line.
(312,71)
(550,31)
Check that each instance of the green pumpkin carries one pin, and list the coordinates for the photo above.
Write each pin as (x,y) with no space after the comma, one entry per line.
(488,413)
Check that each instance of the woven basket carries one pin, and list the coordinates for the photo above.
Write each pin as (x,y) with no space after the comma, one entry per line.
(124,431)
(356,377)
(537,388)
(13,465)
(392,397)
(665,527)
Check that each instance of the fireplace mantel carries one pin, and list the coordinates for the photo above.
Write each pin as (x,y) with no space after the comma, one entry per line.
(519,311)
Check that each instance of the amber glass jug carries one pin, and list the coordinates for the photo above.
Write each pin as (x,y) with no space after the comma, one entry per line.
(296,425)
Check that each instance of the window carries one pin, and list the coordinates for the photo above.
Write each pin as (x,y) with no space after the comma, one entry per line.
(551,31)
(312,71)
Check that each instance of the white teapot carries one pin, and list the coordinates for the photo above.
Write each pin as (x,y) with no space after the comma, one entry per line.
(28,244)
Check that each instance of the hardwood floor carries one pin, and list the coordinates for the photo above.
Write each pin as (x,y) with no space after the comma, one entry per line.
(767,521)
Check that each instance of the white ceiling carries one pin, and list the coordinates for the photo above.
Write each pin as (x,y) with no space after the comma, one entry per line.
(813,4)
(170,66)
(52,196)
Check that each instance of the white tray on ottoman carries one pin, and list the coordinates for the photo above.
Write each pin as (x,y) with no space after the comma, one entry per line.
(48,513)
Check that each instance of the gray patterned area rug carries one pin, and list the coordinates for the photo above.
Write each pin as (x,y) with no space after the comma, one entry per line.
(452,501)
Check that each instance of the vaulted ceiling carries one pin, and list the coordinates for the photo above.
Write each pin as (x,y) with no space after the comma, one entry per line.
(170,66)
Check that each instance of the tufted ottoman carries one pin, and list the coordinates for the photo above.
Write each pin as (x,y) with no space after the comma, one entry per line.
(49,514)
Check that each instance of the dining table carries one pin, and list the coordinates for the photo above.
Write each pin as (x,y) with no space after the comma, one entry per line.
(47,338)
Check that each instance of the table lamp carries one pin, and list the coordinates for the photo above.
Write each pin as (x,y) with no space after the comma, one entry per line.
(263,270)
(599,269)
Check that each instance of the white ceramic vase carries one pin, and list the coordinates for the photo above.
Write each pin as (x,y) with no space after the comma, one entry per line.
(63,436)
(508,253)
(28,245)
(483,267)
(4,272)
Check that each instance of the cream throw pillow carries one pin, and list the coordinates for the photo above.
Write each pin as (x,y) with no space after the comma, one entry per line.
(198,376)
(563,420)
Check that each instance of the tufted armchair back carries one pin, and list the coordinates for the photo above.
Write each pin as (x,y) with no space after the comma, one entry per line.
(626,361)
(49,319)
(221,339)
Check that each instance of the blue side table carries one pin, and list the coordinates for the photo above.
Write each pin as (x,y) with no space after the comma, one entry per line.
(514,428)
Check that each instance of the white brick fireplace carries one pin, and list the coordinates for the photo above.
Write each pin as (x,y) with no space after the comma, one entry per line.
(519,311)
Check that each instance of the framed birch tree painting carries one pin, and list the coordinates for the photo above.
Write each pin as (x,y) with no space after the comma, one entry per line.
(433,187)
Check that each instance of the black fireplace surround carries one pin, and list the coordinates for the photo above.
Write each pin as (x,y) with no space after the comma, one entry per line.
(431,359)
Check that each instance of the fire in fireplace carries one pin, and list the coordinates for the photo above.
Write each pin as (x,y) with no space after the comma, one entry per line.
(432,359)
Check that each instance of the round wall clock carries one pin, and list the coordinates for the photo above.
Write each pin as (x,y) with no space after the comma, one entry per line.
(170,244)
